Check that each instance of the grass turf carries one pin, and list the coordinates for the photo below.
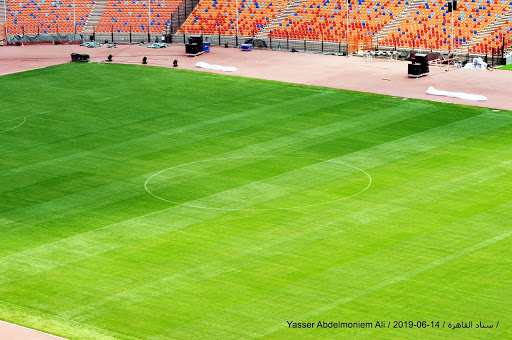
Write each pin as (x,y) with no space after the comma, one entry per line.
(87,252)
(506,67)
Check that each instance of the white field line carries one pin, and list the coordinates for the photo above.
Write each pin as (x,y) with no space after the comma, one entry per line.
(10,129)
(10,120)
(43,113)
(370,180)
(395,280)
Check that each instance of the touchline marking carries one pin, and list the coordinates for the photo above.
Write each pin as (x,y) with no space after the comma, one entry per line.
(20,124)
(370,180)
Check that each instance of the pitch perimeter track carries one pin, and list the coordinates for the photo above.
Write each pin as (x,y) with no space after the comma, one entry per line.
(353,73)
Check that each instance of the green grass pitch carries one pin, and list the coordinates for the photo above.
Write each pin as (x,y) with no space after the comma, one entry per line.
(141,202)
(506,67)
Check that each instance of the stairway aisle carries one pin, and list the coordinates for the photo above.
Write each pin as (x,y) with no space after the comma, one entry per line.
(94,18)
(290,9)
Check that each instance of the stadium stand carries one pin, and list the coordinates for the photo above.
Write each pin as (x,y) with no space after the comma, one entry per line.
(479,25)
(2,33)
(327,19)
(47,16)
(289,10)
(3,5)
(494,36)
(133,15)
(429,26)
(424,24)
(212,16)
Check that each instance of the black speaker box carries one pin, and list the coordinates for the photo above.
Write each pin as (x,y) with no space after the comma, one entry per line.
(195,39)
(191,48)
(420,59)
(414,69)
(76,57)
(198,40)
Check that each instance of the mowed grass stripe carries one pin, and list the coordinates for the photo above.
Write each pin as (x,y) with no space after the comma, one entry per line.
(67,246)
(88,160)
(424,243)
(287,106)
(370,268)
(117,146)
(490,174)
(105,174)
(105,152)
(100,251)
(181,131)
(180,281)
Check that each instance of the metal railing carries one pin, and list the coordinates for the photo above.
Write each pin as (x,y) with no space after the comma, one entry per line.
(269,43)
(494,57)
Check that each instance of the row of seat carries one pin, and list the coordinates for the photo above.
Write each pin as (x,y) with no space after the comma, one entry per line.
(41,16)
(2,31)
(498,39)
(427,25)
(137,16)
(212,16)
(331,20)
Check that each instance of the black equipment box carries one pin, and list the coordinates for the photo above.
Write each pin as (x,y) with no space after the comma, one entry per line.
(419,66)
(76,57)
(194,46)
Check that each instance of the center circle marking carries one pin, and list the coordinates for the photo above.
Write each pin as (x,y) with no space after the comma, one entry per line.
(191,205)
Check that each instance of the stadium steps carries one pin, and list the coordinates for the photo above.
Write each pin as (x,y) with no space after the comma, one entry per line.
(94,18)
(2,33)
(3,4)
(507,16)
(289,10)
(2,21)
(391,26)
(181,15)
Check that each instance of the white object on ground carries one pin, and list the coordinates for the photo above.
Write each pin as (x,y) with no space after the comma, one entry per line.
(202,64)
(431,90)
(478,63)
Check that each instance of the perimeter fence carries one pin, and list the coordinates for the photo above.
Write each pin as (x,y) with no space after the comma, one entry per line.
(495,56)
